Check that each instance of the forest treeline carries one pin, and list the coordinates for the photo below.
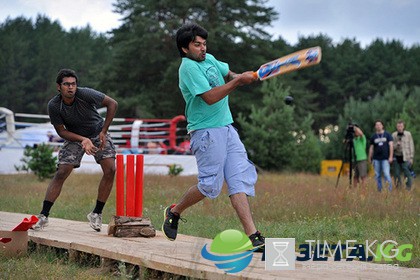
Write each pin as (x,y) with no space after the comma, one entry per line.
(137,63)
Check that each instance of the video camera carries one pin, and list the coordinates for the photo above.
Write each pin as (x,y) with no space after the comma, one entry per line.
(350,131)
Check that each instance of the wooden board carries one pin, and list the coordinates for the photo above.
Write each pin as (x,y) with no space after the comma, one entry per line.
(183,256)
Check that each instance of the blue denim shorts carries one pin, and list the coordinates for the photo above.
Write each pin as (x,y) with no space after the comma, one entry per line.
(221,156)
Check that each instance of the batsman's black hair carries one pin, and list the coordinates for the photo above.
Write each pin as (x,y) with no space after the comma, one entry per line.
(64,73)
(186,34)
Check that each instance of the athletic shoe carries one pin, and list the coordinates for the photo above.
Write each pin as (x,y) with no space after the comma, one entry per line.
(170,223)
(95,221)
(258,241)
(42,222)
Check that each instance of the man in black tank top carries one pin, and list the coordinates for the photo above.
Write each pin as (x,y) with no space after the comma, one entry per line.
(73,113)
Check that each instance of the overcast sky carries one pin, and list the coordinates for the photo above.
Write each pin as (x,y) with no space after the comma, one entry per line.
(362,20)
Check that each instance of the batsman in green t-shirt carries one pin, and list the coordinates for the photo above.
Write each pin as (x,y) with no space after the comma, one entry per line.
(206,83)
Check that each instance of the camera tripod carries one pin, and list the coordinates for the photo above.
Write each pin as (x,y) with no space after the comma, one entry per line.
(348,156)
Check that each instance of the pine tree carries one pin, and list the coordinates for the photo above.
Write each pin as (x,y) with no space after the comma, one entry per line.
(273,138)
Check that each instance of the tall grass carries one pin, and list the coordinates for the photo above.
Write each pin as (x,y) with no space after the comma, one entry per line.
(301,206)
(47,264)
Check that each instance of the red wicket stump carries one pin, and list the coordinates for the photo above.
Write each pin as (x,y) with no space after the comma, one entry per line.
(133,185)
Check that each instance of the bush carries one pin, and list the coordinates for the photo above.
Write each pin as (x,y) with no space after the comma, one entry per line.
(40,160)
(175,169)
(275,138)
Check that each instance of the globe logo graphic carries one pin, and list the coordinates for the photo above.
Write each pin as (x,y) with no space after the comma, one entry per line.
(231,251)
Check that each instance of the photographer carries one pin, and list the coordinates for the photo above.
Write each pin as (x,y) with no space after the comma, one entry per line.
(359,144)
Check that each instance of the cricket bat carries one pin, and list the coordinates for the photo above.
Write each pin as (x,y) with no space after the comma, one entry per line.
(292,62)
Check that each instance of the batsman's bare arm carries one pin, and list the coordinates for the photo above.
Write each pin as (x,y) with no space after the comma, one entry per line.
(234,80)
(111,108)
(370,153)
(87,144)
(391,151)
(230,76)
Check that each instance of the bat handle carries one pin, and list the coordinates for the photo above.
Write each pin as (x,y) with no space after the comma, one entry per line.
(255,74)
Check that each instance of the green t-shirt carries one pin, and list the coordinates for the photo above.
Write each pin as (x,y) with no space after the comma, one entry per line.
(359,144)
(196,78)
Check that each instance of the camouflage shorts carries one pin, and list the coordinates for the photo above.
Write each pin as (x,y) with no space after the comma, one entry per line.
(72,152)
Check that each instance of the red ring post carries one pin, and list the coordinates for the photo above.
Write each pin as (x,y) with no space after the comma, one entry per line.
(120,185)
(130,199)
(138,208)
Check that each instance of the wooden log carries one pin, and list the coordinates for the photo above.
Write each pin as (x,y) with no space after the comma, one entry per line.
(123,226)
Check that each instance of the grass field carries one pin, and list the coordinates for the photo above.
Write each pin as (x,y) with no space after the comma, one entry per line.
(300,206)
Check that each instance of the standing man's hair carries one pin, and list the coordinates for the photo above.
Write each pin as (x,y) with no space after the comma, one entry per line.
(379,121)
(65,73)
(186,34)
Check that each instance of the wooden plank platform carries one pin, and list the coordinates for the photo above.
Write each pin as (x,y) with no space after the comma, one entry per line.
(182,257)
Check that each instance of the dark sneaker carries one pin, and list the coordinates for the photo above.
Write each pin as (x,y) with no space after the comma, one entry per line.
(258,241)
(170,224)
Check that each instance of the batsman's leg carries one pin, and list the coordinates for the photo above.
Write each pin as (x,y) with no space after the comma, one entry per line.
(241,205)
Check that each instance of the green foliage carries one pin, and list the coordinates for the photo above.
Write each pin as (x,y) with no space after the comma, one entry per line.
(145,53)
(25,88)
(307,151)
(268,129)
(40,160)
(274,139)
(175,169)
(138,62)
(392,105)
(410,114)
